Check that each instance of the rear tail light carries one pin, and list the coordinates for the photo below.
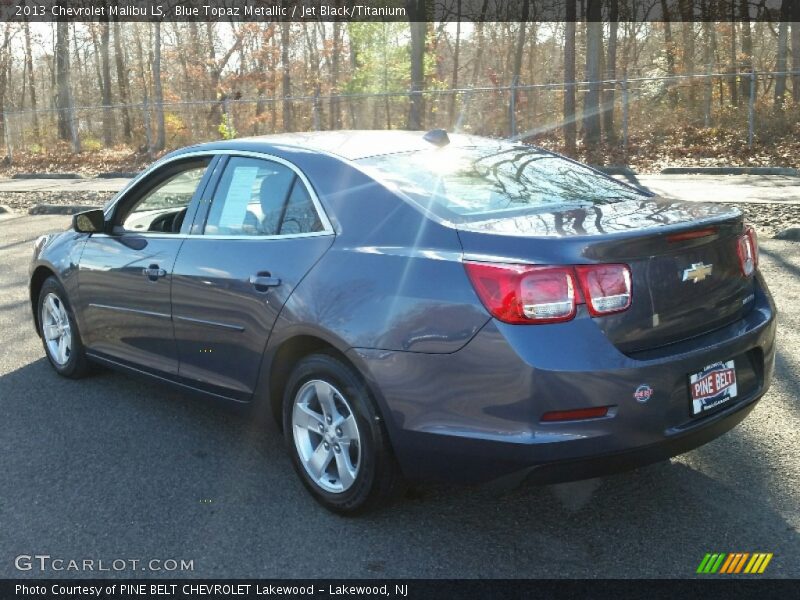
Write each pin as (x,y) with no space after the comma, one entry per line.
(747,248)
(523,293)
(607,288)
(530,294)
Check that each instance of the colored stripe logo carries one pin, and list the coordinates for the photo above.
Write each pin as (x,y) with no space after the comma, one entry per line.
(735,562)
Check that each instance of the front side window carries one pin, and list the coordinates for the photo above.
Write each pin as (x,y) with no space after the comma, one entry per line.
(261,198)
(471,184)
(162,206)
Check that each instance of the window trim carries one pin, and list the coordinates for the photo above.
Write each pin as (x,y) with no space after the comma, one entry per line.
(327,227)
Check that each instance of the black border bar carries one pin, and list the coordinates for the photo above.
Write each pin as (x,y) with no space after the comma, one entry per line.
(383,10)
(709,588)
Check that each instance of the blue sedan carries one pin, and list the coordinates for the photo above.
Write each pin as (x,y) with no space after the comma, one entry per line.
(418,306)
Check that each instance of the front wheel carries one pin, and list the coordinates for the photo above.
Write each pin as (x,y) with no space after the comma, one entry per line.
(334,434)
(59,332)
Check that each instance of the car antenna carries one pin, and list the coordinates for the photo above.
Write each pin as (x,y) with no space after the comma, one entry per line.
(437,137)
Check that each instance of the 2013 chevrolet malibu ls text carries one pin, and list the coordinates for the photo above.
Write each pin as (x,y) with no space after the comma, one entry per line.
(420,306)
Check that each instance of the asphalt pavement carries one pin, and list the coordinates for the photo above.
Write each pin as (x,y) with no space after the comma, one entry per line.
(113,467)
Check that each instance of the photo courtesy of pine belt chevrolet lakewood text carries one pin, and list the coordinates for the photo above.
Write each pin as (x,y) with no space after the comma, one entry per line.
(419,306)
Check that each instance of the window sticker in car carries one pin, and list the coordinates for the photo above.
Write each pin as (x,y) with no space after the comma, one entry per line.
(239,196)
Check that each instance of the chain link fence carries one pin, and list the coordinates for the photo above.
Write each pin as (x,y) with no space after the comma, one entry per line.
(743,104)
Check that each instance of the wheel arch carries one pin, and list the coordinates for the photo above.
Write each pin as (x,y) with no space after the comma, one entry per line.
(40,274)
(284,354)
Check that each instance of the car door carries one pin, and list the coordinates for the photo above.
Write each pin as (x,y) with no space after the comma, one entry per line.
(260,235)
(125,275)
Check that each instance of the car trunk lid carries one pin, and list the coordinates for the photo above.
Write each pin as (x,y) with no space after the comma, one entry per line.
(685,271)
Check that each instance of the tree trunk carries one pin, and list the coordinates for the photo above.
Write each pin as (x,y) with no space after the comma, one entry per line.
(418,27)
(158,94)
(687,64)
(611,72)
(708,59)
(594,49)
(796,52)
(286,82)
(479,36)
(67,129)
(386,107)
(451,111)
(148,137)
(5,60)
(569,79)
(517,66)
(31,82)
(781,63)
(108,114)
(670,51)
(122,82)
(273,106)
(747,49)
(335,116)
(734,65)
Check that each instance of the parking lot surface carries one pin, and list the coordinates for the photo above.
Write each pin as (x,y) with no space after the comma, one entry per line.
(113,467)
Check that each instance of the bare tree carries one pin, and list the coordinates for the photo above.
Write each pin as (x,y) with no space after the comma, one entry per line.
(416,12)
(519,47)
(686,8)
(781,59)
(451,111)
(158,93)
(570,130)
(594,50)
(5,64)
(123,82)
(286,80)
(796,52)
(334,112)
(734,64)
(611,71)
(145,84)
(479,36)
(67,129)
(747,48)
(709,44)
(108,115)
(669,48)
(31,80)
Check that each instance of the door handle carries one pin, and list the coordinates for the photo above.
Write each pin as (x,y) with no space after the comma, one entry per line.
(263,281)
(153,272)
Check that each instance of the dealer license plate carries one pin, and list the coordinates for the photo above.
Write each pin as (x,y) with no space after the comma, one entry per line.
(713,386)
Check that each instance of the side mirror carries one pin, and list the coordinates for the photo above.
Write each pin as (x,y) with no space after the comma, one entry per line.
(90,221)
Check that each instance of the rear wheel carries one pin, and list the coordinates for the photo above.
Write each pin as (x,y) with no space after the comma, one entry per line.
(59,332)
(338,445)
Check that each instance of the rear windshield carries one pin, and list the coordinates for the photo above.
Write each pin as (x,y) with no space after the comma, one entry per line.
(468,184)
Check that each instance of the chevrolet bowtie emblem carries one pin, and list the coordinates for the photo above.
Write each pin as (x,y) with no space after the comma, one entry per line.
(697,272)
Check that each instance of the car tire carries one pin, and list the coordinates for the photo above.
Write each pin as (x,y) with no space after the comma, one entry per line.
(59,331)
(330,419)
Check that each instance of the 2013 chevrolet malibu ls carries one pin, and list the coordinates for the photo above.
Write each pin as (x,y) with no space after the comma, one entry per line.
(421,306)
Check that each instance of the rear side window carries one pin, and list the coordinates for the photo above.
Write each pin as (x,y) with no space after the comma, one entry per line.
(470,184)
(260,198)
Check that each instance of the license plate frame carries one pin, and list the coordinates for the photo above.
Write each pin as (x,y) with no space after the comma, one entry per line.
(712,387)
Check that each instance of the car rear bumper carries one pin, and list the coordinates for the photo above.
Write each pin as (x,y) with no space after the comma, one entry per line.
(474,416)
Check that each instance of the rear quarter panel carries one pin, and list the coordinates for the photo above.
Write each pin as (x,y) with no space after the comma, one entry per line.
(393,278)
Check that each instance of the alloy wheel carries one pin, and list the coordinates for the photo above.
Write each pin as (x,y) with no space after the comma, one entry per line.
(326,436)
(56,329)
